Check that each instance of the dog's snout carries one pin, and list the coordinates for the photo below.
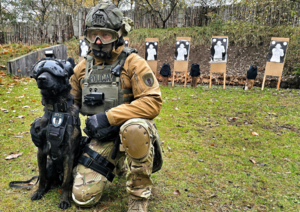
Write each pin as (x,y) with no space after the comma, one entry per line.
(42,77)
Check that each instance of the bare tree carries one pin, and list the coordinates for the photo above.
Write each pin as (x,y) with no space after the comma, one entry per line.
(156,8)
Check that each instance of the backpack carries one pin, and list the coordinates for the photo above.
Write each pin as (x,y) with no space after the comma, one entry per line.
(195,70)
(252,72)
(165,70)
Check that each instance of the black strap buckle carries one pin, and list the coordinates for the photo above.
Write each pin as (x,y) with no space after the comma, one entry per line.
(88,163)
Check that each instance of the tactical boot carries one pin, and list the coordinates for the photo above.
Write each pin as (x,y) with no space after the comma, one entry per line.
(136,204)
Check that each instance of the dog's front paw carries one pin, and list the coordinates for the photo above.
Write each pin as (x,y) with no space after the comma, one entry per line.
(37,195)
(64,204)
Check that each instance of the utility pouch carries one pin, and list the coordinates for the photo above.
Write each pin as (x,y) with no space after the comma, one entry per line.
(94,99)
(110,103)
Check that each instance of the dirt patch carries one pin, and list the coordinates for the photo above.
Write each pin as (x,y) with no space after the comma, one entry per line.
(239,60)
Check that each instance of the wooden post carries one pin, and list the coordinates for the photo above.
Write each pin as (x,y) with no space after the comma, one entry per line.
(224,80)
(273,68)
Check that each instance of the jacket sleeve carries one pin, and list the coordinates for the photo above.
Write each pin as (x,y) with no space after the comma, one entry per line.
(75,80)
(146,92)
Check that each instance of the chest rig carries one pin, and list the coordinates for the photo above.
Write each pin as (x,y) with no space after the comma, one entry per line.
(102,89)
(58,119)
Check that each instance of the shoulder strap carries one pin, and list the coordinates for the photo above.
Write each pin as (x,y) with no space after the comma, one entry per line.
(89,64)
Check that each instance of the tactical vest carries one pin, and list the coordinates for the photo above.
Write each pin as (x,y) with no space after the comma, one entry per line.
(102,88)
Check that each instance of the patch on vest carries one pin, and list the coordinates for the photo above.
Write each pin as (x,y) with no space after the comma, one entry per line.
(97,78)
(57,119)
(148,79)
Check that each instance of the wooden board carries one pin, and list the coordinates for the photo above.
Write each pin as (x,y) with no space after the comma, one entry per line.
(153,65)
(181,66)
(22,66)
(151,39)
(218,68)
(275,69)
(126,38)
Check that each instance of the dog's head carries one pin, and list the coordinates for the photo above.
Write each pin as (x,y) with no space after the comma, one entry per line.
(52,76)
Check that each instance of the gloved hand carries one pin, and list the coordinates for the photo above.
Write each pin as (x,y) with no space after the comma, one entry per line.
(34,131)
(95,123)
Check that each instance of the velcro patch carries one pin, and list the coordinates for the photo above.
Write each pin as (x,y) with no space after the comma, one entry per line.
(148,79)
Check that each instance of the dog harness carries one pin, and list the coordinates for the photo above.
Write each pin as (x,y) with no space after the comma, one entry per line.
(58,120)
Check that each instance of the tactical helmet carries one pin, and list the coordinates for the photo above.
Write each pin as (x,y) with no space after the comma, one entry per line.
(53,66)
(106,17)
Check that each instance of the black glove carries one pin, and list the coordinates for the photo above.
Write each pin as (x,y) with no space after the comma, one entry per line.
(96,123)
(34,131)
(107,133)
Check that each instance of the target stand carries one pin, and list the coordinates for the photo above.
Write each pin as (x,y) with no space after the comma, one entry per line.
(273,68)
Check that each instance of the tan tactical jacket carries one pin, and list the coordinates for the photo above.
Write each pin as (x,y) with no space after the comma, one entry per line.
(137,75)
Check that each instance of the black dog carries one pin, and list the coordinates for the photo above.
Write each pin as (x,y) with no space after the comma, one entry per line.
(57,134)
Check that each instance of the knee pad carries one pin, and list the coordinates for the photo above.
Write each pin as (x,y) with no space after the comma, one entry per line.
(136,138)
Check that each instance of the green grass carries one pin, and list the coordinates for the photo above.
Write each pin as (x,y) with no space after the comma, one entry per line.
(207,153)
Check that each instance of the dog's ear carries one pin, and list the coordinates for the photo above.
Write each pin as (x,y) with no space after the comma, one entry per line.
(70,64)
(71,60)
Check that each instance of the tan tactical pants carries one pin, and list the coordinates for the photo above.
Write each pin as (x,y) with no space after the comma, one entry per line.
(89,185)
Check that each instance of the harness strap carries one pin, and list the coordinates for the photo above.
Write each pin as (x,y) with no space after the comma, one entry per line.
(13,183)
(89,163)
(100,159)
(72,120)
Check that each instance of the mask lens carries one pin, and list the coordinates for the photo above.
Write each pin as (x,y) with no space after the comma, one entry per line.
(106,36)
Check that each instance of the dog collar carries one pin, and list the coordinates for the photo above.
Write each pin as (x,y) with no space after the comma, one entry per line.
(59,107)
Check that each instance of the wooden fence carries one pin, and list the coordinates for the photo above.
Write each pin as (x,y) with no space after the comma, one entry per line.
(64,27)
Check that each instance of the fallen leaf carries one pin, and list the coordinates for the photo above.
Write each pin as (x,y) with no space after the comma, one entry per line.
(286,159)
(4,110)
(19,136)
(232,119)
(177,192)
(254,133)
(12,156)
(212,196)
(206,191)
(20,117)
(176,108)
(18,97)
(26,106)
(252,161)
